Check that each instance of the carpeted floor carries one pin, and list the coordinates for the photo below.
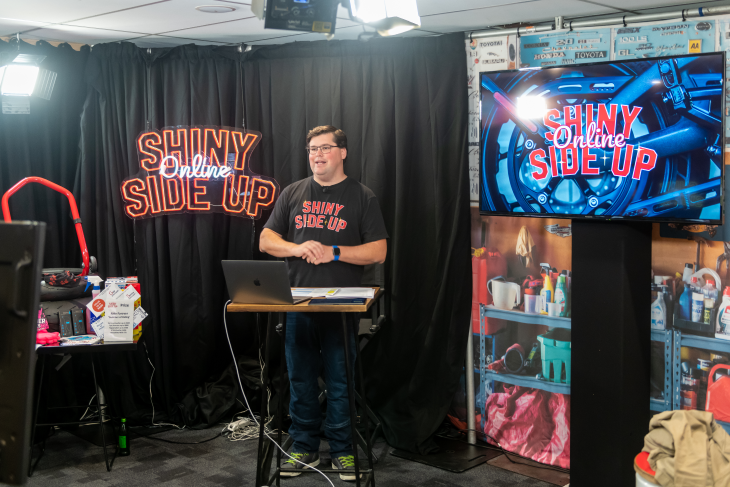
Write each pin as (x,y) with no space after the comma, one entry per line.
(71,461)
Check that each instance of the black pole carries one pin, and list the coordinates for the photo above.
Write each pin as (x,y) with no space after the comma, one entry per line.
(611,350)
(280,406)
(351,396)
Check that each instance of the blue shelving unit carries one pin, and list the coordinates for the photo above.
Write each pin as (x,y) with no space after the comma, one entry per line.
(657,405)
(487,377)
(694,341)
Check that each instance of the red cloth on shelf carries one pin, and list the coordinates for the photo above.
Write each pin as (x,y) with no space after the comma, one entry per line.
(532,423)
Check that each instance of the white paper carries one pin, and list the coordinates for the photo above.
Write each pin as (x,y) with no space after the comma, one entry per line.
(118,314)
(98,327)
(313,292)
(131,293)
(354,292)
(139,315)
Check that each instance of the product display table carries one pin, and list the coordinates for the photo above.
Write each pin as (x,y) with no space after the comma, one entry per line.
(304,307)
(43,354)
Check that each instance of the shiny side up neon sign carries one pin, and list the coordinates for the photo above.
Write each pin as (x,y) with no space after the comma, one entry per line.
(198,169)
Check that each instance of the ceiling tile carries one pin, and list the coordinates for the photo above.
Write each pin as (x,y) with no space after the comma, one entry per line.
(431,7)
(479,18)
(63,11)
(13,26)
(165,41)
(167,17)
(80,35)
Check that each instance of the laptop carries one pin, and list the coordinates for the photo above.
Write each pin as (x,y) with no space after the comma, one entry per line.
(258,282)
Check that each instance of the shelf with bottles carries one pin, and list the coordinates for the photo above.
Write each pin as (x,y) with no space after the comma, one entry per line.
(701,342)
(528,381)
(490,311)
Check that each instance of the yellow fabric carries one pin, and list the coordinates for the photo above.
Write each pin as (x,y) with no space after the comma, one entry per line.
(525,245)
(688,449)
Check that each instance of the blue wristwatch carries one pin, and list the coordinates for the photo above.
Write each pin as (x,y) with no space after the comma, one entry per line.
(336,252)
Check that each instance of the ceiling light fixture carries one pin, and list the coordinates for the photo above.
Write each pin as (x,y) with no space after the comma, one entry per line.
(20,78)
(215,9)
(388,17)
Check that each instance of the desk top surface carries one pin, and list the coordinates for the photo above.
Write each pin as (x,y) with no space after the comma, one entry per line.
(96,348)
(304,307)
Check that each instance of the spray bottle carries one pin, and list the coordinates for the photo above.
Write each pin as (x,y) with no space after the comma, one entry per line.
(96,281)
(659,312)
(561,296)
(548,292)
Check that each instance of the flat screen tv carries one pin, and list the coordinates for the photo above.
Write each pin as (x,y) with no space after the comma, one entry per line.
(639,140)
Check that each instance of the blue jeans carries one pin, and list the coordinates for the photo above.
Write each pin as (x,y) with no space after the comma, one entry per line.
(314,341)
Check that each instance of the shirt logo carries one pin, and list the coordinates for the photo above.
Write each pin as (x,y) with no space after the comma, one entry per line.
(321,214)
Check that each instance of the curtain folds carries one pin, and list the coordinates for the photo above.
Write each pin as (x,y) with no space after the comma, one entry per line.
(45,144)
(403,105)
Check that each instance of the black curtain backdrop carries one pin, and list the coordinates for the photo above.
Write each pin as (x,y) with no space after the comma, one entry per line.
(403,104)
(177,258)
(45,143)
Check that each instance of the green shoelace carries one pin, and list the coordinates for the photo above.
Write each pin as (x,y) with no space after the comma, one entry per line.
(348,461)
(294,458)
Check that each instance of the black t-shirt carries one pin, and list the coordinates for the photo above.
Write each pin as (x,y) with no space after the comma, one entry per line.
(346,213)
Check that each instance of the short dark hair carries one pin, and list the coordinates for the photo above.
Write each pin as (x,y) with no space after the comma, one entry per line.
(339,135)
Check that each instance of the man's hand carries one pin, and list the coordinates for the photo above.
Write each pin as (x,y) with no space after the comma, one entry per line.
(313,252)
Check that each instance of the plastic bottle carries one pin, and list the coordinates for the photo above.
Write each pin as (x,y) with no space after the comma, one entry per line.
(695,285)
(548,292)
(561,295)
(96,280)
(659,313)
(722,323)
(710,294)
(685,303)
(688,271)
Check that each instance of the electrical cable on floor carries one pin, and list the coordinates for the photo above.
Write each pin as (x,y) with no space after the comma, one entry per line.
(175,442)
(225,306)
(151,401)
(508,453)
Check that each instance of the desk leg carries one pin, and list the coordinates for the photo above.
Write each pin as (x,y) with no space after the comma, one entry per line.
(262,451)
(42,360)
(351,395)
(101,415)
(280,406)
(369,451)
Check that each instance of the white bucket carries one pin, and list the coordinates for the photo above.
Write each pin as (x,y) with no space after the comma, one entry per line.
(642,482)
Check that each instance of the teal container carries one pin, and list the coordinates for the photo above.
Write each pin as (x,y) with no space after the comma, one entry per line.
(555,352)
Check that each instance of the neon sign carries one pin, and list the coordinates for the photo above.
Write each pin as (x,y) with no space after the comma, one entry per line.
(197,169)
(570,153)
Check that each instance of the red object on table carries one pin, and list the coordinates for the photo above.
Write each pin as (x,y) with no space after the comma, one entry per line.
(485,265)
(642,467)
(71,202)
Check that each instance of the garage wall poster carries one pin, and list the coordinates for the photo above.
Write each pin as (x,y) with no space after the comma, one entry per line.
(565,47)
(490,54)
(665,39)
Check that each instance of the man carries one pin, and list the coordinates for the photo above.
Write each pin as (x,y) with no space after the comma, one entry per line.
(328,227)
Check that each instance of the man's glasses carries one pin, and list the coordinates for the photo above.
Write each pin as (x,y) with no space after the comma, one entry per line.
(325,149)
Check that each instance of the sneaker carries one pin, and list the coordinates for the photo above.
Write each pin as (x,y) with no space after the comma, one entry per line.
(346,463)
(299,461)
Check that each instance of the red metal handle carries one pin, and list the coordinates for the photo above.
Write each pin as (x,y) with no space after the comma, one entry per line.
(71,202)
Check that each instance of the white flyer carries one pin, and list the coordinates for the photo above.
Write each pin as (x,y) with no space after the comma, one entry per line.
(119,315)
(139,315)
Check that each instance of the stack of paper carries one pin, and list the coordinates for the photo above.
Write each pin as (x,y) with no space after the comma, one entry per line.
(337,292)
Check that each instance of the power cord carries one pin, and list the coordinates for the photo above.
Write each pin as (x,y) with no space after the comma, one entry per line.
(225,306)
(151,401)
(175,442)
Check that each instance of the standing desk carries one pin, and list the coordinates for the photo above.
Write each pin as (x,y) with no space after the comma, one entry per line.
(305,307)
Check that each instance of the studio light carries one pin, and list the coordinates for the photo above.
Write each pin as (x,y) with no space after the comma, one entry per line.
(388,17)
(20,78)
(531,107)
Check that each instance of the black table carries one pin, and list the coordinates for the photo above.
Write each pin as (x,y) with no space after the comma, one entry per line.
(43,354)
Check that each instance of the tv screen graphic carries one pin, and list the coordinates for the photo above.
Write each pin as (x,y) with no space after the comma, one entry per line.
(631,139)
